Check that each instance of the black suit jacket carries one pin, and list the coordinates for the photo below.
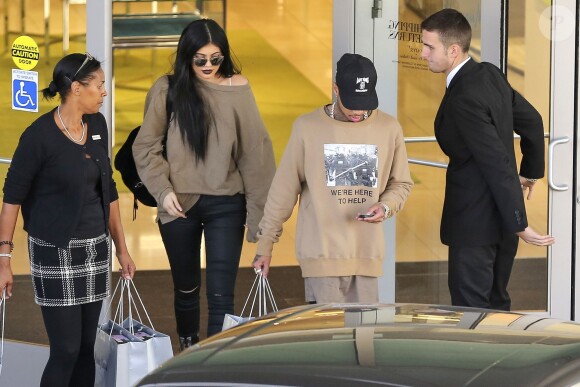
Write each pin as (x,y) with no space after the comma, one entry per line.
(474,127)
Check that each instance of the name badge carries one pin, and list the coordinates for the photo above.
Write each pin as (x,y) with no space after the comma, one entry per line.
(96,137)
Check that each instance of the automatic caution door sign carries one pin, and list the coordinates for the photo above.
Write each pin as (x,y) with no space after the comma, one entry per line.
(25,53)
(25,90)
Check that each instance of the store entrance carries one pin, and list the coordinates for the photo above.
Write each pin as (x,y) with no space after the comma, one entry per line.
(518,42)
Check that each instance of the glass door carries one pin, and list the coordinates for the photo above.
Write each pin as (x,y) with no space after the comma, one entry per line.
(519,42)
(421,258)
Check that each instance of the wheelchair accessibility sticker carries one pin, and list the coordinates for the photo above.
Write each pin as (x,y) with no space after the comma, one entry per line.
(25,90)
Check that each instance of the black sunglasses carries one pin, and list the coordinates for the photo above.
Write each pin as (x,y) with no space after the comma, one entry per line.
(87,60)
(214,60)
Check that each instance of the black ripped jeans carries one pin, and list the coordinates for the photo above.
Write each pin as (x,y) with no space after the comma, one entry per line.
(221,219)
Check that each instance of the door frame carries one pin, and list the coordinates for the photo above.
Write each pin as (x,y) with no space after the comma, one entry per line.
(562,270)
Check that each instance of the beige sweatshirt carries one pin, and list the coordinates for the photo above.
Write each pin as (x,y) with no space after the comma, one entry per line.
(240,158)
(338,169)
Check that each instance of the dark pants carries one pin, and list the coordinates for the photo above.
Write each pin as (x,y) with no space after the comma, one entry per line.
(221,219)
(479,276)
(71,334)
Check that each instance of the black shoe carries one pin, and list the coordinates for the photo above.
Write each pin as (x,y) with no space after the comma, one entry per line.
(188,341)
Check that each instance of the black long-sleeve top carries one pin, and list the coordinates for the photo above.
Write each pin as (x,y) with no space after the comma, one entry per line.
(47,177)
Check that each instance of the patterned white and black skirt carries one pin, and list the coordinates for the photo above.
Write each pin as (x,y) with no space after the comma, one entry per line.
(76,275)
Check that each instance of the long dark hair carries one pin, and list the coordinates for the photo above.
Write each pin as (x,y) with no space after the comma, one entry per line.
(194,117)
(67,70)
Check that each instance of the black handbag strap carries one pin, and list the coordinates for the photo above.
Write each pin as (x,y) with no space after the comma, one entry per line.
(168,112)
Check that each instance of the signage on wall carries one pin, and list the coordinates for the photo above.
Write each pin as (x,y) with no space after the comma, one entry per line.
(25,56)
(410,43)
(407,30)
(25,90)
(25,53)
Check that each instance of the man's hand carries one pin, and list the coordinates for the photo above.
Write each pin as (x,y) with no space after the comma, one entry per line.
(527,185)
(532,237)
(261,264)
(375,214)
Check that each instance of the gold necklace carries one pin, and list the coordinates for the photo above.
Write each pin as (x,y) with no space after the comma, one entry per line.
(66,130)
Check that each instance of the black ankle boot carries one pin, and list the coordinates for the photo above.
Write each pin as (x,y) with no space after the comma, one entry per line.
(187,341)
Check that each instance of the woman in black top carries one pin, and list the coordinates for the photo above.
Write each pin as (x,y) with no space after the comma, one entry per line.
(61,178)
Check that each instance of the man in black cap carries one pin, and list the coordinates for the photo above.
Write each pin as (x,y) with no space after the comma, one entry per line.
(339,243)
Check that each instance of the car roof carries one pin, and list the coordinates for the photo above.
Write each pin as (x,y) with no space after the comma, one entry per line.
(399,344)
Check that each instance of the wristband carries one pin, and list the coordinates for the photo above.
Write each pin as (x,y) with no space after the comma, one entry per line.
(9,243)
(530,180)
(6,255)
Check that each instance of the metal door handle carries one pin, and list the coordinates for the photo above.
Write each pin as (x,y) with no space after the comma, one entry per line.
(554,186)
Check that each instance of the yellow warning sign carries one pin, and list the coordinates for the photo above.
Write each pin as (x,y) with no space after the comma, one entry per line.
(25,53)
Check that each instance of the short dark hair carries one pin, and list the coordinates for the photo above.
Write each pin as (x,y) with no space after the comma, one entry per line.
(452,26)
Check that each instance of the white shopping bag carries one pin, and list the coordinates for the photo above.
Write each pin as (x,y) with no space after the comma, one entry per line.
(120,357)
(159,347)
(261,295)
(231,320)
(126,351)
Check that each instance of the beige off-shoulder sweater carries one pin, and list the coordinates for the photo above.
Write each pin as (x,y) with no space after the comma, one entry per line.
(240,158)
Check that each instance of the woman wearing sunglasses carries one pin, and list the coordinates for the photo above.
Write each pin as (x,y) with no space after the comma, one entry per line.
(209,166)
(61,178)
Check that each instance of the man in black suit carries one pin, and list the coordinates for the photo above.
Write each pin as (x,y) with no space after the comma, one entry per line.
(484,212)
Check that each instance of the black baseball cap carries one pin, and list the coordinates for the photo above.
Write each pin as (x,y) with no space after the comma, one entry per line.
(356,79)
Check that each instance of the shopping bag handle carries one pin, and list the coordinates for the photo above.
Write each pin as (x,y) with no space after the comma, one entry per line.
(127,288)
(3,309)
(119,305)
(131,299)
(262,293)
